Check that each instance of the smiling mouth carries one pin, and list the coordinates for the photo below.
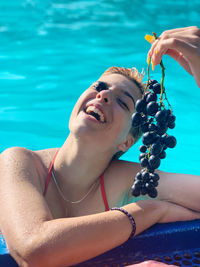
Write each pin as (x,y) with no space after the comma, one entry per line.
(96,113)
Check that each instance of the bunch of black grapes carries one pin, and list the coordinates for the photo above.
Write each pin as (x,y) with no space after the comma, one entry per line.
(154,120)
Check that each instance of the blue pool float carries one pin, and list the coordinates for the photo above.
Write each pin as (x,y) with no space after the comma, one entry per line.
(172,243)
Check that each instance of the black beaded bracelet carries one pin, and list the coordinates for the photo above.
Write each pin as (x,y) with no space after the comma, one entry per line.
(130,218)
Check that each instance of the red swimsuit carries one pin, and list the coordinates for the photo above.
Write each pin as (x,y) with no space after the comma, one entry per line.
(102,184)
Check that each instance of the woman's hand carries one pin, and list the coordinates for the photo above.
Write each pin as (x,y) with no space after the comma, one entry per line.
(183,45)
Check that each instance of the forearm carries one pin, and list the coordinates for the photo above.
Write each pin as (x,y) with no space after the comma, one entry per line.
(181,189)
(178,213)
(68,241)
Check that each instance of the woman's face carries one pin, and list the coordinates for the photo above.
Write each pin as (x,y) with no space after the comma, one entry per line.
(103,112)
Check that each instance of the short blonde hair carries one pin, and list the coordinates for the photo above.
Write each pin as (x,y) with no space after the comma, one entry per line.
(131,73)
(135,76)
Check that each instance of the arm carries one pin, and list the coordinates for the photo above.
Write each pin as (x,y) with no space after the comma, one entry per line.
(182,44)
(181,189)
(34,238)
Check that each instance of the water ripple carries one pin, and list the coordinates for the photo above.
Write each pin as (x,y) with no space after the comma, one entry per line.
(52,50)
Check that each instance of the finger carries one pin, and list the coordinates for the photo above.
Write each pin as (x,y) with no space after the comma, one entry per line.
(155,48)
(178,32)
(151,51)
(188,34)
(186,49)
(181,31)
(177,56)
(180,59)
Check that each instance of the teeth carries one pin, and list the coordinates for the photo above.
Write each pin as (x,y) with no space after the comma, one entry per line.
(97,111)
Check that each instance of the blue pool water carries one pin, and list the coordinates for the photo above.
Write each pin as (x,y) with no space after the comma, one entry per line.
(51,51)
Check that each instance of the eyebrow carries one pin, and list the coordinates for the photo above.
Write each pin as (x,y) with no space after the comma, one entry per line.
(129,95)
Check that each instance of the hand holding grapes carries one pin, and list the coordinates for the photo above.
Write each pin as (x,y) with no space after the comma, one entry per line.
(183,45)
(153,116)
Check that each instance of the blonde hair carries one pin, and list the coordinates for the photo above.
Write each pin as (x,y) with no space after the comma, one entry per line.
(131,73)
(135,76)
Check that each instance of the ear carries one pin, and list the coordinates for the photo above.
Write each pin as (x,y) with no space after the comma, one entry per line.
(127,143)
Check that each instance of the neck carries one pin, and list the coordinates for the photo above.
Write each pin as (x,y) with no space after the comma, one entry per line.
(78,166)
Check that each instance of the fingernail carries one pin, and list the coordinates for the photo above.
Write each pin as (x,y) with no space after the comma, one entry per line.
(149,38)
(152,63)
(157,51)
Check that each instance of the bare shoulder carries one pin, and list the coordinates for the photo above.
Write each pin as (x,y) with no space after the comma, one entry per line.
(23,207)
(17,160)
(119,177)
(122,170)
(17,156)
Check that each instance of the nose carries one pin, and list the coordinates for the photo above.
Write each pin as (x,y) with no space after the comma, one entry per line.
(104,96)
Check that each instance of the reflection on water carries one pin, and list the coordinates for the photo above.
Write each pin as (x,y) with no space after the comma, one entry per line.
(52,50)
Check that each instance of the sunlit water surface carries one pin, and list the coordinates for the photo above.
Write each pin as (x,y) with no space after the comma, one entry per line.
(51,51)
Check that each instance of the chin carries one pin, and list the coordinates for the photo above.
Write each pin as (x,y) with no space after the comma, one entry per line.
(82,131)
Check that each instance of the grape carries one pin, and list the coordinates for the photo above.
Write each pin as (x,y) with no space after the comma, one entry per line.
(150,169)
(162,155)
(136,119)
(171,125)
(145,127)
(168,112)
(153,193)
(138,184)
(144,119)
(145,176)
(138,176)
(143,190)
(148,138)
(152,108)
(152,82)
(154,176)
(154,161)
(143,170)
(140,105)
(164,147)
(162,138)
(156,148)
(143,149)
(152,127)
(151,97)
(161,116)
(146,95)
(135,191)
(161,128)
(142,155)
(156,88)
(144,162)
(155,183)
(171,118)
(170,141)
(149,186)
(156,138)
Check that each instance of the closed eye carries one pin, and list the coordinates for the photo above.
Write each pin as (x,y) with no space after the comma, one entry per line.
(100,86)
(122,103)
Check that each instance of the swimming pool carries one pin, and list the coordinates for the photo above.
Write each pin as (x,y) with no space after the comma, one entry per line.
(52,50)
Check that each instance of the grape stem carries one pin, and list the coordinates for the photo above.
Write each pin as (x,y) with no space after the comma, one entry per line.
(163,76)
(148,78)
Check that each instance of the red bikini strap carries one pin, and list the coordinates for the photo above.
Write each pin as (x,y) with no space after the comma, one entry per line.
(104,194)
(49,174)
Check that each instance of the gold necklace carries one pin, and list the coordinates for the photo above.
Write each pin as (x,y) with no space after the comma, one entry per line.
(62,195)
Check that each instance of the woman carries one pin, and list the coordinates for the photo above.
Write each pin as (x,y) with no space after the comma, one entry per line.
(53,201)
